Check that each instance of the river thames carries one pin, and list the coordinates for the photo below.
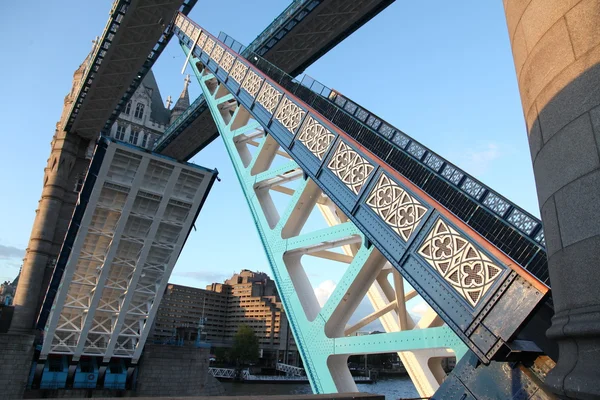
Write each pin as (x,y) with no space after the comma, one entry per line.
(392,387)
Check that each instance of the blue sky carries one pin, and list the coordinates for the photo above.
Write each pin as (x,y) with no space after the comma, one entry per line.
(440,71)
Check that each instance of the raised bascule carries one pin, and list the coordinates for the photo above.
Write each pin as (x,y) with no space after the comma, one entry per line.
(387,223)
(404,223)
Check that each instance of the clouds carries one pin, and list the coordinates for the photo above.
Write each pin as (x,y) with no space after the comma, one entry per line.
(10,262)
(324,291)
(202,276)
(420,308)
(479,159)
(8,252)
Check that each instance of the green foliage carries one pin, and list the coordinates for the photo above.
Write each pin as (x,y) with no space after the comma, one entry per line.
(222,357)
(245,346)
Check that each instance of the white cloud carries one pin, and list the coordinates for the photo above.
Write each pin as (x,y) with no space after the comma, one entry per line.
(7,252)
(477,161)
(420,309)
(324,291)
(203,276)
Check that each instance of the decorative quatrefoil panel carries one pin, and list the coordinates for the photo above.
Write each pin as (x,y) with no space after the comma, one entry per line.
(289,114)
(239,71)
(396,206)
(227,62)
(470,272)
(315,137)
(350,167)
(268,97)
(252,83)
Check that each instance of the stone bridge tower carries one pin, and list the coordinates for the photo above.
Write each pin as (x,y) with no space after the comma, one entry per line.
(63,175)
(556,49)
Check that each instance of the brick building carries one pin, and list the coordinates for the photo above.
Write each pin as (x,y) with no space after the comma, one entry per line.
(216,313)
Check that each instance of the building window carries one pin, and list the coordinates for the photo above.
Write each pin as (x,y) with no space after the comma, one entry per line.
(120,135)
(139,111)
(128,108)
(79,183)
(145,140)
(133,136)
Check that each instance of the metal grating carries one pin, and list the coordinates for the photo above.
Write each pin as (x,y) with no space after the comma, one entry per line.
(139,213)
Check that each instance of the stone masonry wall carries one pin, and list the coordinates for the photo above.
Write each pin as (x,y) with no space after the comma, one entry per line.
(175,371)
(16,353)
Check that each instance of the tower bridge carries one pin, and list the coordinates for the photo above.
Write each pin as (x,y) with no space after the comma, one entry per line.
(400,214)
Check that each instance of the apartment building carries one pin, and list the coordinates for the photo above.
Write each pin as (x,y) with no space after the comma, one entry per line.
(214,315)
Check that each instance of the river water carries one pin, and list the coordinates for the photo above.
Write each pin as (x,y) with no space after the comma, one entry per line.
(392,387)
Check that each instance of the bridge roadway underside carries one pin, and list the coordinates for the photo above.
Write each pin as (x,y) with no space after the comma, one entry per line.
(194,130)
(322,29)
(130,44)
(293,50)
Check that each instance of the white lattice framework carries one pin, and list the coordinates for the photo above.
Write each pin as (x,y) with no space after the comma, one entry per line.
(290,369)
(138,216)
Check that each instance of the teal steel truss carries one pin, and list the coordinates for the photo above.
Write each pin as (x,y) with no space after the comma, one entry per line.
(384,222)
(321,332)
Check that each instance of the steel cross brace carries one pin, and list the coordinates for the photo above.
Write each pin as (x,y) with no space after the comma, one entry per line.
(320,332)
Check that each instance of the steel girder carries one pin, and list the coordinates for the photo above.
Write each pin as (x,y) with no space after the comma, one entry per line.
(322,332)
(469,282)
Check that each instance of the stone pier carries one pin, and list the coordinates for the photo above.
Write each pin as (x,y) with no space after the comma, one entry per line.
(556,49)
(16,353)
(176,371)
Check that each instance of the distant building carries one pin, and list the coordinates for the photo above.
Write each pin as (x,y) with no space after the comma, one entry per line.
(145,117)
(7,292)
(216,313)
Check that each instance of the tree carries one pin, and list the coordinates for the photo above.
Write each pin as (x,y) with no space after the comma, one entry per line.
(222,357)
(245,346)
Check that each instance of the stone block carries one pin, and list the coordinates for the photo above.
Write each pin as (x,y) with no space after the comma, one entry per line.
(582,21)
(541,15)
(547,59)
(569,155)
(535,139)
(595,117)
(519,49)
(551,227)
(571,271)
(514,10)
(578,206)
(573,92)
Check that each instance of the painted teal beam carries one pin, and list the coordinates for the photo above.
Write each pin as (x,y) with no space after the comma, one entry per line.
(355,179)
(315,346)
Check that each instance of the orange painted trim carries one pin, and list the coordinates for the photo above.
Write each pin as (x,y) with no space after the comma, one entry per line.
(474,235)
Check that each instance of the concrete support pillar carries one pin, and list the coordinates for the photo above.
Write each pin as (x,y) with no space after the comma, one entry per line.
(42,250)
(556,49)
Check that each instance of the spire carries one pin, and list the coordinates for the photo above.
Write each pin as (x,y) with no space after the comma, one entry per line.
(183,102)
(186,83)
(169,102)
